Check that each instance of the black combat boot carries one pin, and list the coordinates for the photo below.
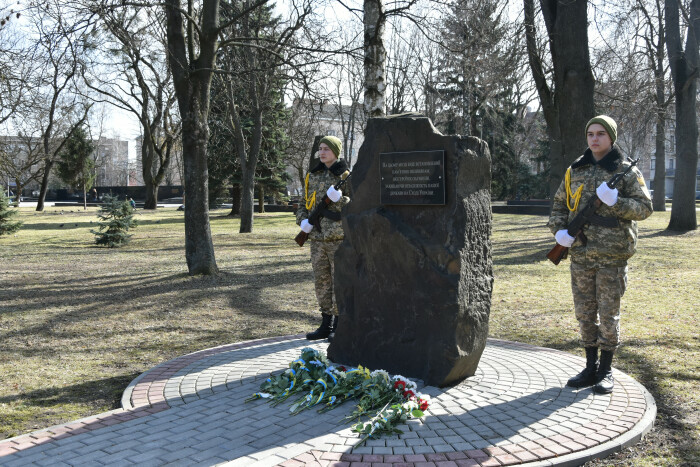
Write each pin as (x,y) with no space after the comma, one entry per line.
(323,330)
(604,380)
(334,324)
(588,376)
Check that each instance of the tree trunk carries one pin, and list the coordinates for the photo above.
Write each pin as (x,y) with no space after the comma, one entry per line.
(247,200)
(192,80)
(18,192)
(568,105)
(147,156)
(249,163)
(683,212)
(48,165)
(199,248)
(375,58)
(261,199)
(684,70)
(151,196)
(659,201)
(235,200)
(567,26)
(302,178)
(659,198)
(84,197)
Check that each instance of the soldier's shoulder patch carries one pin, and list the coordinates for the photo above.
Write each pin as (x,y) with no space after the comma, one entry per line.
(643,185)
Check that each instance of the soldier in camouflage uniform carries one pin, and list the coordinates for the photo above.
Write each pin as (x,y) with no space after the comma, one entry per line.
(599,262)
(326,237)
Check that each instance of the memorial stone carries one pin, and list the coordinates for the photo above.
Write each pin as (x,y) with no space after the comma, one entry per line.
(414,273)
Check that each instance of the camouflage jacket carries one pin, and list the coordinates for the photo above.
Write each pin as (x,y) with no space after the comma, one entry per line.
(605,246)
(320,179)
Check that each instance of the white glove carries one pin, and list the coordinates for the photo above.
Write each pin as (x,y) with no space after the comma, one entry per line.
(333,194)
(606,194)
(306,226)
(564,239)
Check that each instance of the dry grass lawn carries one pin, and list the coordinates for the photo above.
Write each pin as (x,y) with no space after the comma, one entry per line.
(79,322)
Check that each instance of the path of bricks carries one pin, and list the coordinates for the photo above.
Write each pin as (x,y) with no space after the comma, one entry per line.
(191,411)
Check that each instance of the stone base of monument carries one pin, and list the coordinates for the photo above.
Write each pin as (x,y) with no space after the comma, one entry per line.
(414,273)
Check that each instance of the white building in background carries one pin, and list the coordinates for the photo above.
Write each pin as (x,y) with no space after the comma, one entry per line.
(111,161)
(670,163)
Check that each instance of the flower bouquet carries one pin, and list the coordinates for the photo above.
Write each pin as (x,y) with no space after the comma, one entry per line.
(384,400)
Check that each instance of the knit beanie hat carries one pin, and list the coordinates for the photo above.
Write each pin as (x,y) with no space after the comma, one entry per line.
(334,143)
(607,122)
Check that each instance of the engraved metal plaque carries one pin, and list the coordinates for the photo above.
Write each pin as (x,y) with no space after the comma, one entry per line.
(414,178)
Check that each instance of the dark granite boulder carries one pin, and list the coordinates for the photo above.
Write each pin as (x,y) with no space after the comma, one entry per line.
(413,283)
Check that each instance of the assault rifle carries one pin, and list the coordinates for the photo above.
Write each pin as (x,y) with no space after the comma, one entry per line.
(575,228)
(316,214)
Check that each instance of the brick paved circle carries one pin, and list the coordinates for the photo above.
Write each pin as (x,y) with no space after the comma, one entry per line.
(515,410)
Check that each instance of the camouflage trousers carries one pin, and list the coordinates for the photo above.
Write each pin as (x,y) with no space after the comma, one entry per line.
(322,254)
(597,293)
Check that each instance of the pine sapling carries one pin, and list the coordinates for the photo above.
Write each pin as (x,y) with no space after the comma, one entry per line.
(116,218)
(7,226)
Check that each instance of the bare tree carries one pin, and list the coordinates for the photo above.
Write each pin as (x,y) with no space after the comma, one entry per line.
(21,161)
(141,84)
(192,47)
(685,64)
(567,100)
(654,37)
(254,80)
(633,81)
(14,72)
(345,90)
(50,107)
(404,58)
(193,43)
(7,15)
(301,129)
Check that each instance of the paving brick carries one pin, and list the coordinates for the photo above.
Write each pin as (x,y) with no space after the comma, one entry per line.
(422,449)
(382,450)
(466,463)
(22,461)
(441,447)
(109,459)
(92,447)
(514,399)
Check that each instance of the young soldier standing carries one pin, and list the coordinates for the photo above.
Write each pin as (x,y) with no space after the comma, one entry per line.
(599,262)
(326,239)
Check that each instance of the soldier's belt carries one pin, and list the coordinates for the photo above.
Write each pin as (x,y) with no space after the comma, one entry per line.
(602,221)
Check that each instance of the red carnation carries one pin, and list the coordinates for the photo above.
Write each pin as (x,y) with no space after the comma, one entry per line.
(423,404)
(409,394)
(400,385)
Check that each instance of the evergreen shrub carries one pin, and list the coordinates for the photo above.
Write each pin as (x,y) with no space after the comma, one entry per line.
(116,218)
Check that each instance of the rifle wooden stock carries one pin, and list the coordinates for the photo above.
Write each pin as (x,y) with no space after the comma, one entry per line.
(301,238)
(557,253)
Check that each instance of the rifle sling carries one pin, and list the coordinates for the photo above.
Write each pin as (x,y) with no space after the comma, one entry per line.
(328,214)
(602,221)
